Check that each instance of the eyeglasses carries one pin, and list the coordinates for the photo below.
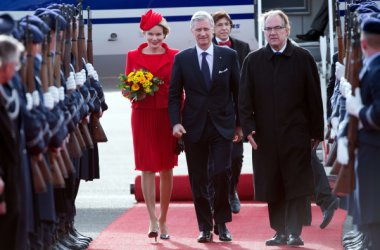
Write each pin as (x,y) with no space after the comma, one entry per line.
(275,28)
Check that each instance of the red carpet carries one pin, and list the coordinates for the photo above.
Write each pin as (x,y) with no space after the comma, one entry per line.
(249,229)
(182,190)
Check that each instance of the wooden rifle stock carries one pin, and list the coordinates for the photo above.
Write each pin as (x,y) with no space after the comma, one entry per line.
(39,183)
(96,128)
(58,180)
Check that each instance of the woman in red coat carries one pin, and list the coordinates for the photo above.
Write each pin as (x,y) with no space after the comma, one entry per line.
(153,142)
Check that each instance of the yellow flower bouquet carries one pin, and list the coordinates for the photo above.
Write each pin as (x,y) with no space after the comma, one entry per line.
(137,84)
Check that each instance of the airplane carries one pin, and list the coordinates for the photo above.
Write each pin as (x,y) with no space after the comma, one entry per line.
(116,24)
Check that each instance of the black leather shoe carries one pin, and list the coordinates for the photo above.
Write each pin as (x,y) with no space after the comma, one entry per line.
(277,240)
(224,234)
(204,237)
(310,36)
(235,203)
(329,213)
(294,240)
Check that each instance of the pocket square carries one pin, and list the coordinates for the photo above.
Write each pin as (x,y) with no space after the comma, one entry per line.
(222,71)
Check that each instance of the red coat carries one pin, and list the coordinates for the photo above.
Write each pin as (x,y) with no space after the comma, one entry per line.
(160,66)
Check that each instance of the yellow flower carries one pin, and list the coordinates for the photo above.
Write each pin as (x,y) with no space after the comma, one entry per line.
(135,87)
(148,90)
(149,76)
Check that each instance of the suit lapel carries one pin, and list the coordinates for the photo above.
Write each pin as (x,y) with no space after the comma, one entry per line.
(218,58)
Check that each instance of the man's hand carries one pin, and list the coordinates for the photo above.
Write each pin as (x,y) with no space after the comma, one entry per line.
(238,135)
(178,131)
(354,103)
(314,144)
(251,140)
(342,151)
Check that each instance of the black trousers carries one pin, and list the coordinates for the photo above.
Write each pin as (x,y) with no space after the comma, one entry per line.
(215,147)
(286,217)
(323,194)
(321,19)
(236,164)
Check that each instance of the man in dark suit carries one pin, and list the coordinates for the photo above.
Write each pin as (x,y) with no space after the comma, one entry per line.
(365,105)
(208,123)
(281,113)
(222,30)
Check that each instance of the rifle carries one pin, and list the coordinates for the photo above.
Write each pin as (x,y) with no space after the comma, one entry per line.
(57,178)
(346,179)
(67,163)
(39,183)
(96,128)
(78,55)
(74,52)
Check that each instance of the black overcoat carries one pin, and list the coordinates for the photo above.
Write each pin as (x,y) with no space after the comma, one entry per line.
(280,99)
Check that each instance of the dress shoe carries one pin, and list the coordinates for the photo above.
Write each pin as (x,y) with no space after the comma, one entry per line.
(224,234)
(70,244)
(204,237)
(329,213)
(77,234)
(277,240)
(294,240)
(235,203)
(310,36)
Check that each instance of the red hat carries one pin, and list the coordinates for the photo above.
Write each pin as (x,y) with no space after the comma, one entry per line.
(149,20)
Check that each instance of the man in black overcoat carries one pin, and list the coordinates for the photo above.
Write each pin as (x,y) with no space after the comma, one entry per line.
(281,113)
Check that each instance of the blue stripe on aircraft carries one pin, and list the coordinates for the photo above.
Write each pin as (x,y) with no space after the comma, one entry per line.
(168,18)
(23,5)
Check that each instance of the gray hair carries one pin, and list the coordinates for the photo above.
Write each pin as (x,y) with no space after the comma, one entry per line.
(200,16)
(10,50)
(279,13)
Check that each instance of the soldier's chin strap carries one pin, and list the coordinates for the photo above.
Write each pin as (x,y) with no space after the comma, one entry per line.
(13,98)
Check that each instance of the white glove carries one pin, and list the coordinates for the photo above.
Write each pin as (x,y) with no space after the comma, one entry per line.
(334,127)
(29,101)
(61,93)
(48,100)
(354,103)
(53,90)
(79,79)
(342,151)
(70,83)
(36,98)
(344,87)
(339,70)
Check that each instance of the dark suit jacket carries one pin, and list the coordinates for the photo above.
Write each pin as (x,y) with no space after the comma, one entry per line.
(242,48)
(218,102)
